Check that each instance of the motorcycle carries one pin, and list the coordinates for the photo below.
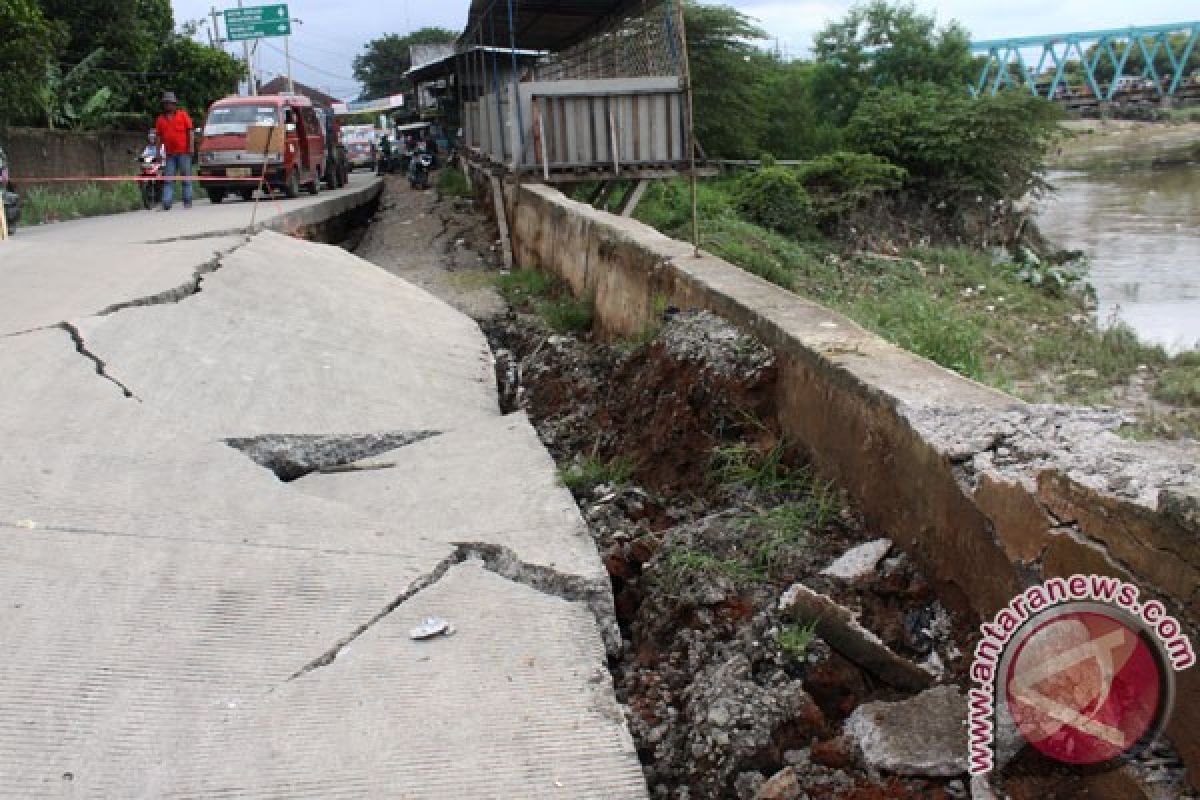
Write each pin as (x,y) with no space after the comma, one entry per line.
(150,167)
(418,170)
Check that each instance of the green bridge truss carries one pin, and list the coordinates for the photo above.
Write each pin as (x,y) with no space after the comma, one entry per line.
(1099,54)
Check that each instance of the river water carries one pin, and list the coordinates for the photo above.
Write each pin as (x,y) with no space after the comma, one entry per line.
(1141,231)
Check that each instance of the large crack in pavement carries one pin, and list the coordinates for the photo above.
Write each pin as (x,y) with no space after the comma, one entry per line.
(101,367)
(503,561)
(293,455)
(183,291)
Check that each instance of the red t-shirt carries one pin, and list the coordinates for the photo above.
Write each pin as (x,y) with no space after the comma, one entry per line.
(173,132)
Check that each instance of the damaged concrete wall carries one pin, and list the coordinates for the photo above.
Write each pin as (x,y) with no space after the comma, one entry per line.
(992,494)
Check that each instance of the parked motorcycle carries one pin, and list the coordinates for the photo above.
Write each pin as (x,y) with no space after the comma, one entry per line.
(150,167)
(419,169)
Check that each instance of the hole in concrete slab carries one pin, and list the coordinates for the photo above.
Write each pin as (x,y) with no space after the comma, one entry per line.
(292,456)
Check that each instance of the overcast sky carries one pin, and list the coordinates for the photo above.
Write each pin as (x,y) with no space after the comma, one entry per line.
(333,31)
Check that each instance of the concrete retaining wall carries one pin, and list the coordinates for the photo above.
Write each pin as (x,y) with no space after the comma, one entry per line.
(35,153)
(991,494)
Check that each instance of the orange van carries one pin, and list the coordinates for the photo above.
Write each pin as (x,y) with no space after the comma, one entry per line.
(223,152)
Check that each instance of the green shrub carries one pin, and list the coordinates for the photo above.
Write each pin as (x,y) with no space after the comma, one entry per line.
(840,182)
(774,198)
(956,147)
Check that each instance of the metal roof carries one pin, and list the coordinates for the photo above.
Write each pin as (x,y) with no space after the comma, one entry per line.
(540,24)
(443,67)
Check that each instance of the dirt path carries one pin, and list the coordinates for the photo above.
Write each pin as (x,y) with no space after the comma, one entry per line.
(438,244)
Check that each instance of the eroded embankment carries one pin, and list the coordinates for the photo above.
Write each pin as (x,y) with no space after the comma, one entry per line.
(985,493)
(775,645)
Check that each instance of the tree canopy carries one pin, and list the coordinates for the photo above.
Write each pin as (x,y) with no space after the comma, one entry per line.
(381,66)
(103,63)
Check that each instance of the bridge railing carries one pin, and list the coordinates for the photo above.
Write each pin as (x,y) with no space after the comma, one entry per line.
(1101,55)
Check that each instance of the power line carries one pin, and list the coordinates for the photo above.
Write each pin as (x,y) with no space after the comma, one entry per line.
(324,72)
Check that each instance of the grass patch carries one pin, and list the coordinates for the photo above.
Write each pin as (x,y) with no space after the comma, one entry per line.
(1179,384)
(40,204)
(928,326)
(795,638)
(537,292)
(1022,328)
(567,315)
(592,472)
(521,287)
(682,565)
(453,183)
(742,466)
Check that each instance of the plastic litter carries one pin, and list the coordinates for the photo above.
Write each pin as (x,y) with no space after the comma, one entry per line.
(430,627)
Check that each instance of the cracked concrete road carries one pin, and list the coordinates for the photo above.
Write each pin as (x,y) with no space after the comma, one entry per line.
(180,622)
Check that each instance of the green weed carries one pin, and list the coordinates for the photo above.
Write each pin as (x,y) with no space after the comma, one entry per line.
(928,326)
(741,466)
(453,183)
(1179,385)
(794,639)
(567,315)
(592,472)
(681,565)
(40,204)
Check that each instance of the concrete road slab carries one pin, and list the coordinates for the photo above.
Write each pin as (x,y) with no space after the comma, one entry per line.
(516,704)
(48,282)
(179,622)
(490,482)
(289,338)
(202,220)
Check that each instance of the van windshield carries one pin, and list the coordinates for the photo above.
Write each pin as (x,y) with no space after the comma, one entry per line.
(236,119)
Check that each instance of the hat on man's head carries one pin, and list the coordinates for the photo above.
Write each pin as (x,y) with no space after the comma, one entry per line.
(169,97)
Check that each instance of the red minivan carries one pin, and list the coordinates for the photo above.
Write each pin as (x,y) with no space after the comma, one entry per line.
(223,152)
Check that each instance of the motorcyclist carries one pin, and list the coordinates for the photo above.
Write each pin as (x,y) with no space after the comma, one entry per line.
(417,152)
(385,160)
(153,148)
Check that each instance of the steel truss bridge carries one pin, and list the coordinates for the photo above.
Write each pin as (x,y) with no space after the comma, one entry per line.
(1028,60)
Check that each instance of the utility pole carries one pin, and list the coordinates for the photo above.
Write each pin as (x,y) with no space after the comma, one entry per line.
(287,56)
(249,67)
(214,31)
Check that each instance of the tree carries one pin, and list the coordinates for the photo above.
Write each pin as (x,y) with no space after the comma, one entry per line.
(725,66)
(382,64)
(198,74)
(956,148)
(880,45)
(790,128)
(29,49)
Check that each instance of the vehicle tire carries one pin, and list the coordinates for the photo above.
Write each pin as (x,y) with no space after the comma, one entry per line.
(314,186)
(148,195)
(215,196)
(292,187)
(247,194)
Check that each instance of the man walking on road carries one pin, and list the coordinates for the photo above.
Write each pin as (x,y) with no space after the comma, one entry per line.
(174,128)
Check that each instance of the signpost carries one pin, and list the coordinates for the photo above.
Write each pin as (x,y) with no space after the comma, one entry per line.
(261,22)
(257,22)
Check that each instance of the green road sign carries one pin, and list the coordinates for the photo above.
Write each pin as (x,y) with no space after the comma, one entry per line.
(257,22)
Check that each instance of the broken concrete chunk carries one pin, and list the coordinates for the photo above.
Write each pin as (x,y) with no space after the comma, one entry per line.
(783,785)
(839,627)
(922,736)
(860,561)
